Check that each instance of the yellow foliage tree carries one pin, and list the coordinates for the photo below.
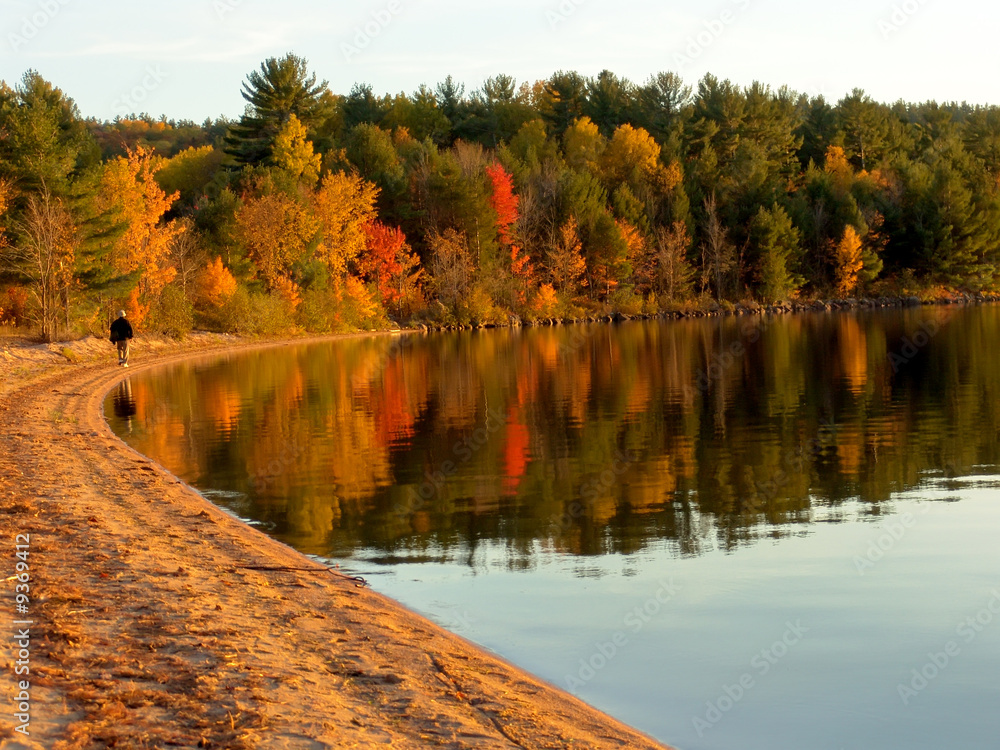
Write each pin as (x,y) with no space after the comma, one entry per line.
(46,246)
(294,153)
(583,145)
(365,306)
(666,178)
(565,262)
(275,229)
(837,166)
(631,155)
(189,172)
(344,204)
(136,204)
(848,261)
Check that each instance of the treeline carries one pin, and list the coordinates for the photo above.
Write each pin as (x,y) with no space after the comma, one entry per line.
(567,197)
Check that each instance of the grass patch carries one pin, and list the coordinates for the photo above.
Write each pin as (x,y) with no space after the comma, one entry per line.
(58,417)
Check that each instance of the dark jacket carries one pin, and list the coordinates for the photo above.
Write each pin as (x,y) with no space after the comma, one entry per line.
(121,330)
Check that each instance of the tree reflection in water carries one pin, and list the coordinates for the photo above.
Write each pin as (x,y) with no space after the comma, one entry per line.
(704,433)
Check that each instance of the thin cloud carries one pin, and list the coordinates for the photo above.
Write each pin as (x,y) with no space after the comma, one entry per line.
(117,48)
(193,49)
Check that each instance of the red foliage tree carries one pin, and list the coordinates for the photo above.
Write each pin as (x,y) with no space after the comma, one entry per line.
(387,261)
(503,200)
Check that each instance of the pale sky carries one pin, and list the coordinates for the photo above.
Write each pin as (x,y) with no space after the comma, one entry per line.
(188,58)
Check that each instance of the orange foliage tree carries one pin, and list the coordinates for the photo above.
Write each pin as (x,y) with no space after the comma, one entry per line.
(216,284)
(15,306)
(848,261)
(638,247)
(546,301)
(565,262)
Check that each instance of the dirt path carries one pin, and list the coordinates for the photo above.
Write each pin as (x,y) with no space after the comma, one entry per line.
(160,621)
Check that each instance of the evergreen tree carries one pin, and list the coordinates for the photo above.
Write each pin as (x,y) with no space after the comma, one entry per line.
(420,114)
(962,246)
(865,128)
(450,97)
(371,152)
(775,247)
(609,101)
(817,128)
(564,97)
(45,144)
(281,88)
(661,105)
(981,136)
(361,106)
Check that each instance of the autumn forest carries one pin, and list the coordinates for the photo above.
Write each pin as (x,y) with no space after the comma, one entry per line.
(563,198)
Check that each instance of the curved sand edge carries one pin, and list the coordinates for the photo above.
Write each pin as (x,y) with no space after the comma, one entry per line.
(159,620)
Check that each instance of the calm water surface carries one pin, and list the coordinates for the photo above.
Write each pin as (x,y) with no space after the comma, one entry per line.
(766,533)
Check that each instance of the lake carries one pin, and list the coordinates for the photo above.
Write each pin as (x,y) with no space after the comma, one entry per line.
(746,532)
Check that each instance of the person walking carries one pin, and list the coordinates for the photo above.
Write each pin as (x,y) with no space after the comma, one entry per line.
(121,334)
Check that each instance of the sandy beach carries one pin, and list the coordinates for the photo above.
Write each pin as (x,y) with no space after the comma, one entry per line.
(157,620)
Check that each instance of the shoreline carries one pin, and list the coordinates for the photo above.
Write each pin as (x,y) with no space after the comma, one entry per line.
(206,632)
(728,309)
